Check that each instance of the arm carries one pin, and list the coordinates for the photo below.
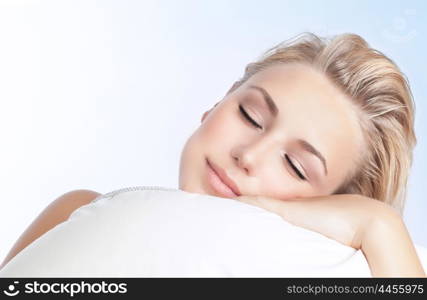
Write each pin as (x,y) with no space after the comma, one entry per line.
(56,212)
(356,221)
(389,250)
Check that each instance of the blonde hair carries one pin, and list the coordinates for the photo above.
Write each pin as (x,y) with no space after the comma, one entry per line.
(383,97)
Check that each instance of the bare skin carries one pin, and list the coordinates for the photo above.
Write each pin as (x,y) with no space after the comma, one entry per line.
(310,108)
(55,213)
(252,154)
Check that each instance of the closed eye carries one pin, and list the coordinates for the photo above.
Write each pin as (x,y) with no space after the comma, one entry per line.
(248,118)
(255,124)
(295,168)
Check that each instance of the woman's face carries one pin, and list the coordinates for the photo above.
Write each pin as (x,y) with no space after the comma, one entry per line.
(303,139)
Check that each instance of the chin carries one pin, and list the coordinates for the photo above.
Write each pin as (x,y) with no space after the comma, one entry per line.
(193,189)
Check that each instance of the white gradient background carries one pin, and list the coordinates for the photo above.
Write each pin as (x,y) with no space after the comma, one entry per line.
(103,94)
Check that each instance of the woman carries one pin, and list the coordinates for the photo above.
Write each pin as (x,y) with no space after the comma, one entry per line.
(320,132)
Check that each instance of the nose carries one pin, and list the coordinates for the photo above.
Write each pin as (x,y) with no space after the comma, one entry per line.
(249,156)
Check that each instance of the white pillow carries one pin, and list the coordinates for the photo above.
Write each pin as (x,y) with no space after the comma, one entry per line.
(161,232)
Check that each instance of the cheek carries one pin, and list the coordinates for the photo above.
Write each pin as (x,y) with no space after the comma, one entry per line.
(219,129)
(211,137)
(191,164)
(278,183)
(279,186)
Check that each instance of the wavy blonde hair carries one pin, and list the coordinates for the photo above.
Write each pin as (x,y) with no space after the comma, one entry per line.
(384,100)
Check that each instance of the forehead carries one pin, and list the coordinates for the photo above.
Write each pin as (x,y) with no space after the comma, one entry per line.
(311,107)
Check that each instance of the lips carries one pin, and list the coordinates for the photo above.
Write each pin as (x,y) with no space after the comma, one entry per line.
(220,181)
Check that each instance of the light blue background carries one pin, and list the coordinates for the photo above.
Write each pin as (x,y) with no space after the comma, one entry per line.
(103,94)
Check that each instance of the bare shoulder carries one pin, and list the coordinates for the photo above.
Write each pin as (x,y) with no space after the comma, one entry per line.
(61,208)
(56,212)
(76,198)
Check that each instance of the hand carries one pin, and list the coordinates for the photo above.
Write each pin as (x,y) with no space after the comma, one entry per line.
(343,217)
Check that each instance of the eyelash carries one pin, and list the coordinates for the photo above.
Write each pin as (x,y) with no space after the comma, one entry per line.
(255,124)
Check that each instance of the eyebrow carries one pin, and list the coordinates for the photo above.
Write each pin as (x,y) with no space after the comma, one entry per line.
(309,147)
(267,98)
(303,143)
